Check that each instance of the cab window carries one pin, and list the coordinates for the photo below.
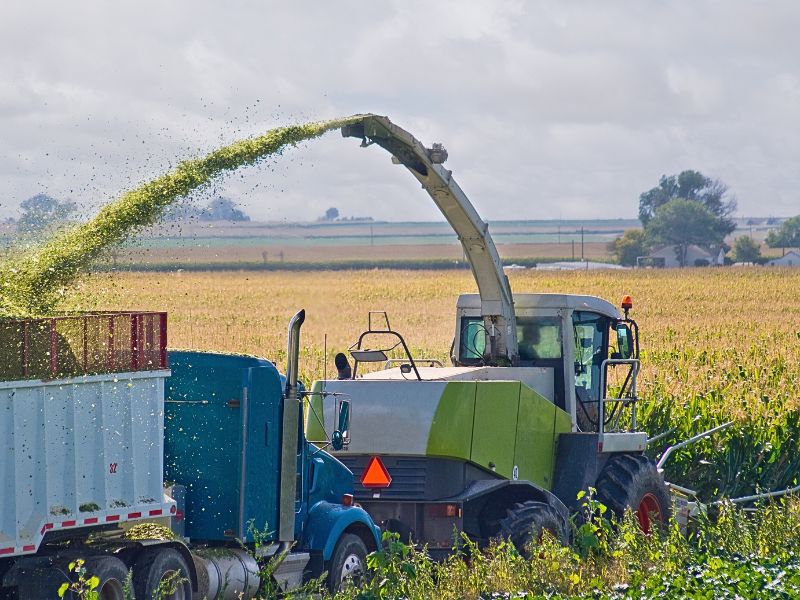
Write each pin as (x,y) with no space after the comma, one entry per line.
(591,343)
(473,339)
(539,338)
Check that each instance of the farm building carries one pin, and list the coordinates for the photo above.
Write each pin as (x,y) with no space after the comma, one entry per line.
(790,259)
(696,256)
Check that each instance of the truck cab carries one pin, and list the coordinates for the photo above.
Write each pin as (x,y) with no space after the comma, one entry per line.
(235,447)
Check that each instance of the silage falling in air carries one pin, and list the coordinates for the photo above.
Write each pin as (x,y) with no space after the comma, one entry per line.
(32,283)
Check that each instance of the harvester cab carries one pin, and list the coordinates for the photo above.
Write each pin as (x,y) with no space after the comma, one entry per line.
(580,352)
(538,404)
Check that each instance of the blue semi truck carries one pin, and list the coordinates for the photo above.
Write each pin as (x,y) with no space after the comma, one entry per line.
(103,428)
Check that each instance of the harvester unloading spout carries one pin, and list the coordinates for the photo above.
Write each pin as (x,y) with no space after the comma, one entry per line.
(497,305)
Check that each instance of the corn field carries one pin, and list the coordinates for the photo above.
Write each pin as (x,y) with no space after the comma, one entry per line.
(717,344)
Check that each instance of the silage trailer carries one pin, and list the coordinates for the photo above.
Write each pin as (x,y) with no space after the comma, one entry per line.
(94,411)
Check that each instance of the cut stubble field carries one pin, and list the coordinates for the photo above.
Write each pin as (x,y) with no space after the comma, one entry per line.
(717,344)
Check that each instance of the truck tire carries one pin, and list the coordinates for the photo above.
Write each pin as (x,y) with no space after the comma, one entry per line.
(349,562)
(632,480)
(156,566)
(112,574)
(526,521)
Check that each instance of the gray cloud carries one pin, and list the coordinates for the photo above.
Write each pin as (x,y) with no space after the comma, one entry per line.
(548,109)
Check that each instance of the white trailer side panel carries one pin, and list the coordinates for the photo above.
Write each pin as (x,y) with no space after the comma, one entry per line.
(79,452)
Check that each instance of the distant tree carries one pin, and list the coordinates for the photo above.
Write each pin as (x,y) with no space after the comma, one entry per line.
(746,249)
(712,194)
(331,214)
(787,235)
(685,222)
(41,211)
(629,246)
(223,209)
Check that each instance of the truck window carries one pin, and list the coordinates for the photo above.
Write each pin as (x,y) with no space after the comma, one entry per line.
(539,338)
(473,339)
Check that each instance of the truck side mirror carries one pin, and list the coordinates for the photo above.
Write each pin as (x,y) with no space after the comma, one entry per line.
(341,437)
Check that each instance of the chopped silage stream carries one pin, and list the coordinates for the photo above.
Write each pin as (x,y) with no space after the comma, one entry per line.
(32,283)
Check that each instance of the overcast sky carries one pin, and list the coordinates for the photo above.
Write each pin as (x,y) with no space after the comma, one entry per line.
(548,109)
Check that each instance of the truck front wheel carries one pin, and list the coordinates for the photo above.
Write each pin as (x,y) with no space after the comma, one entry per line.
(632,480)
(161,574)
(348,563)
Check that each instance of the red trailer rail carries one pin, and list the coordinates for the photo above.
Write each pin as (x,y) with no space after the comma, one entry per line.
(82,344)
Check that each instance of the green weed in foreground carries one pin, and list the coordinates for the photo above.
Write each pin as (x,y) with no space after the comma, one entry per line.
(32,283)
(737,556)
(740,555)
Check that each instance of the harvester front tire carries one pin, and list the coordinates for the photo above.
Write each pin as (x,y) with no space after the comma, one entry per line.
(633,481)
(526,522)
(112,574)
(348,563)
(156,565)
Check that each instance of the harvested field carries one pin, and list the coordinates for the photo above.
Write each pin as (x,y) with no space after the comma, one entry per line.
(200,253)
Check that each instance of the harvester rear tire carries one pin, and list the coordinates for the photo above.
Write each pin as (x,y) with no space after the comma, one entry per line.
(633,481)
(525,523)
(156,565)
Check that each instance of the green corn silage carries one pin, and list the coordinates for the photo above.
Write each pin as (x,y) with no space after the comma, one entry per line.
(31,284)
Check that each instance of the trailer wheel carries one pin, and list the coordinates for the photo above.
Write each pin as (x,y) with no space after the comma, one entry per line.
(348,563)
(632,480)
(527,521)
(162,568)
(112,574)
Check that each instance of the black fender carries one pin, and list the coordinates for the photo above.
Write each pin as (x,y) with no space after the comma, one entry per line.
(486,501)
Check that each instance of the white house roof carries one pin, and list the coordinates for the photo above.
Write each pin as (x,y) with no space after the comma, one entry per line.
(790,259)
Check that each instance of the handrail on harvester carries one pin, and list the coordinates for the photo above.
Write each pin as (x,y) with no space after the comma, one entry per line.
(497,305)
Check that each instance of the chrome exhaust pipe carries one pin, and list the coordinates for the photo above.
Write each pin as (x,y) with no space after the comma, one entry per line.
(290,433)
(293,353)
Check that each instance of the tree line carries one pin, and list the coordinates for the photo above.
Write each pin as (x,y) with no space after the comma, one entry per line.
(41,212)
(692,209)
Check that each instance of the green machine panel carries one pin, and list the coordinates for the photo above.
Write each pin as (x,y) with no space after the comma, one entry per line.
(495,427)
(535,447)
(451,429)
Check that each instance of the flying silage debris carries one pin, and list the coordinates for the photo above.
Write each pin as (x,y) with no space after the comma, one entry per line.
(31,284)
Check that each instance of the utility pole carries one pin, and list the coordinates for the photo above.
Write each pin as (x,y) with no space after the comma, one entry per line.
(582,255)
(573,249)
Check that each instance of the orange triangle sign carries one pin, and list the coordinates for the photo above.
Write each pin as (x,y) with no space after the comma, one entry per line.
(376,475)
